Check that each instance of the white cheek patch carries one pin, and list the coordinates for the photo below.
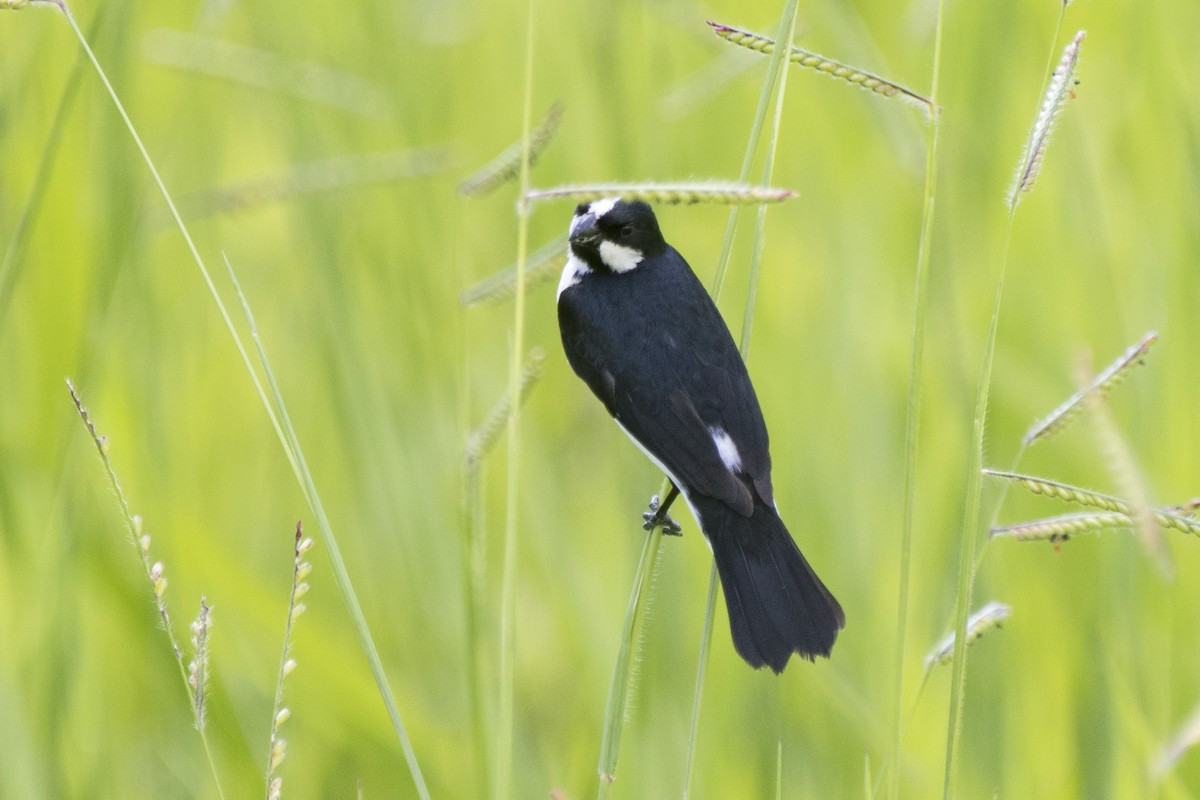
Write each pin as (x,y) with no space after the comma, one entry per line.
(572,274)
(726,449)
(619,258)
(602,207)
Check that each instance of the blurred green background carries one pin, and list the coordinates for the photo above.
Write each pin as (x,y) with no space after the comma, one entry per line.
(356,294)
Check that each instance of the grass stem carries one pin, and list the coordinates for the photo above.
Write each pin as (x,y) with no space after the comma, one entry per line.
(912,426)
(775,72)
(340,574)
(508,591)
(14,250)
(970,527)
(701,668)
(154,574)
(624,674)
(1058,91)
(288,440)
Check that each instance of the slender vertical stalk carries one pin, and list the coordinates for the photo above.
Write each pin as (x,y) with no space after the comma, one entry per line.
(768,170)
(473,589)
(916,373)
(288,440)
(970,528)
(776,70)
(779,769)
(508,621)
(14,249)
(775,65)
(623,683)
(154,575)
(183,230)
(1058,91)
(472,542)
(701,668)
(340,574)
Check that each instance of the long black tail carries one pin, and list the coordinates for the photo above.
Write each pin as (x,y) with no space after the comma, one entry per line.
(777,604)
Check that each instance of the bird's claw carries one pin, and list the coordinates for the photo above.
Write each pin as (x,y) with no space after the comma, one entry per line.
(657,517)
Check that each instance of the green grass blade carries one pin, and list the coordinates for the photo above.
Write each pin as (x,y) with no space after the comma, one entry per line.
(624,674)
(701,668)
(912,423)
(340,574)
(760,236)
(291,446)
(1058,91)
(508,586)
(775,71)
(479,443)
(14,251)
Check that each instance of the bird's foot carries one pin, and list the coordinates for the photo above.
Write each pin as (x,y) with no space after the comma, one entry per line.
(657,517)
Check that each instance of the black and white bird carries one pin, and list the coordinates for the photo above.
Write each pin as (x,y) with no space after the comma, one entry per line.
(641,331)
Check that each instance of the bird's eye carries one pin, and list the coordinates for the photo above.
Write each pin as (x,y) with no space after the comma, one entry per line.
(627,231)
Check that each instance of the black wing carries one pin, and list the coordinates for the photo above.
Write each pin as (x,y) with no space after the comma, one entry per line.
(652,346)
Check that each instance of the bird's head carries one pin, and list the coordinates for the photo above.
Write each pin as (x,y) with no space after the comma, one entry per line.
(614,235)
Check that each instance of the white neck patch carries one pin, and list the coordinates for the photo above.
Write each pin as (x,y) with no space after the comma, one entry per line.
(619,258)
(572,274)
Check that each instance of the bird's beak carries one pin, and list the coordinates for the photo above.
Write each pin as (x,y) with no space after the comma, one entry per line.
(584,232)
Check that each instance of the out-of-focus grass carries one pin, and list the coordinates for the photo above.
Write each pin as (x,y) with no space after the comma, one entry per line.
(357,289)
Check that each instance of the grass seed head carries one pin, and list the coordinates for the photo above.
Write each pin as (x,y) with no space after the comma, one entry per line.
(1061,89)
(835,69)
(1112,376)
(979,623)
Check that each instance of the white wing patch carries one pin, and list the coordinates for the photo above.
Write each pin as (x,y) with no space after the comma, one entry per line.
(619,258)
(726,449)
(572,274)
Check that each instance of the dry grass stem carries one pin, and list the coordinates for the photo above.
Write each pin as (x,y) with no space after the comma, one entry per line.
(542,266)
(979,623)
(252,66)
(507,166)
(1099,387)
(1060,90)
(315,177)
(835,69)
(667,193)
